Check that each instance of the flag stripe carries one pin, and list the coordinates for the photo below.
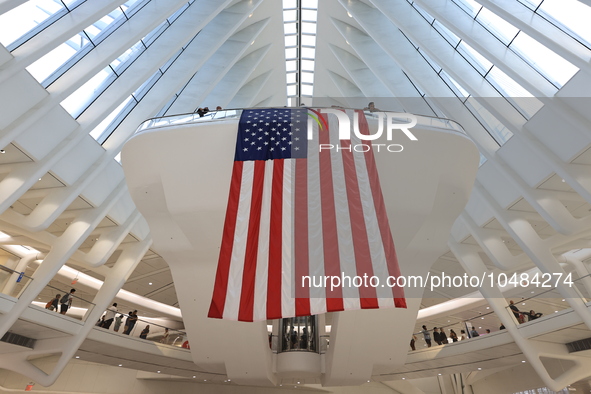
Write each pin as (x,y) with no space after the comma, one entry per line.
(332,265)
(220,288)
(367,294)
(240,237)
(245,312)
(287,248)
(275,243)
(382,215)
(302,295)
(262,259)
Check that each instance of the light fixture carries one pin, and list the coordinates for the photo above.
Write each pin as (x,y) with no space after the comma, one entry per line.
(194,377)
(77,356)
(2,151)
(150,283)
(158,371)
(120,365)
(350,16)
(403,378)
(439,374)
(523,361)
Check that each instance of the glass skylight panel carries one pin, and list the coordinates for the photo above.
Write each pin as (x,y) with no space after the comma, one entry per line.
(423,13)
(308,53)
(122,62)
(291,53)
(100,129)
(54,60)
(309,15)
(154,34)
(496,129)
(471,7)
(551,65)
(307,77)
(291,41)
(290,16)
(308,28)
(25,18)
(309,4)
(571,16)
(291,78)
(291,65)
(447,34)
(309,40)
(178,13)
(479,62)
(434,65)
(307,90)
(520,98)
(454,86)
(308,65)
(499,27)
(290,28)
(532,4)
(290,4)
(291,90)
(77,102)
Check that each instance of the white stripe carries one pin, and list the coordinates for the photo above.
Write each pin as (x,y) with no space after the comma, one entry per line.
(262,269)
(376,247)
(315,239)
(287,298)
(344,232)
(239,247)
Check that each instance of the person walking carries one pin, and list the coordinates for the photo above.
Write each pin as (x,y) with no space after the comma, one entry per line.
(52,305)
(66,301)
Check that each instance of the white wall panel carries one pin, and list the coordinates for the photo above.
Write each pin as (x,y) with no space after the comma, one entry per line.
(78,160)
(46,133)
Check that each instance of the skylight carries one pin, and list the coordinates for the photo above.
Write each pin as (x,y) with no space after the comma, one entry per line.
(299,27)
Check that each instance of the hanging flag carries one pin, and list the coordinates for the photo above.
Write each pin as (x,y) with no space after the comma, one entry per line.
(302,216)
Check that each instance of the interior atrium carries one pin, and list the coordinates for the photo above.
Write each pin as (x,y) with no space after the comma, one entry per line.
(113,184)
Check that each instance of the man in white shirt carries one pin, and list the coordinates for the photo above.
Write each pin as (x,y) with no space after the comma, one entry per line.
(110,316)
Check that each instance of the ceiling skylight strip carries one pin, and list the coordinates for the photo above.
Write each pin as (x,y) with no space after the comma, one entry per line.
(300,26)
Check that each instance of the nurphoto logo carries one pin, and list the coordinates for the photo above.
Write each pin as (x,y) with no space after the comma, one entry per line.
(391,120)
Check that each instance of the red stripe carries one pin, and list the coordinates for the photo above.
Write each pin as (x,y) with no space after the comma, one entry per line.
(245,312)
(300,250)
(367,294)
(382,215)
(332,263)
(218,301)
(275,243)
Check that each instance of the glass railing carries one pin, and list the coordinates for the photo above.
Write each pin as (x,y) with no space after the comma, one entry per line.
(170,120)
(466,325)
(12,282)
(51,298)
(144,329)
(543,298)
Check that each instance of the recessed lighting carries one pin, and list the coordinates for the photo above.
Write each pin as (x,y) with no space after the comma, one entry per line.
(555,311)
(120,365)
(563,300)
(158,371)
(403,378)
(229,380)
(479,327)
(2,151)
(482,318)
(523,361)
(488,307)
(439,374)
(150,283)
(194,377)
(523,303)
(39,178)
(563,180)
(480,369)
(77,356)
(533,292)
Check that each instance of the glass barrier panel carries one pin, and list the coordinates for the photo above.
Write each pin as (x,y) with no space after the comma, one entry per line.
(53,298)
(124,324)
(12,282)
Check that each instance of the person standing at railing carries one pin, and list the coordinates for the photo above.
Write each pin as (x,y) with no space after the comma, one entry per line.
(453,335)
(412,342)
(436,336)
(118,321)
(110,316)
(131,320)
(164,338)
(427,336)
(443,337)
(66,301)
(145,332)
(52,305)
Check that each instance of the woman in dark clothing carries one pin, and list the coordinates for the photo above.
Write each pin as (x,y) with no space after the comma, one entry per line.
(453,335)
(130,322)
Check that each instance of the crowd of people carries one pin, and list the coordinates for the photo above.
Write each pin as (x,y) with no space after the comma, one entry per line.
(439,336)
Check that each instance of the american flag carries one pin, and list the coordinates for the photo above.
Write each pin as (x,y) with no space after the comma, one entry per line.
(297,211)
